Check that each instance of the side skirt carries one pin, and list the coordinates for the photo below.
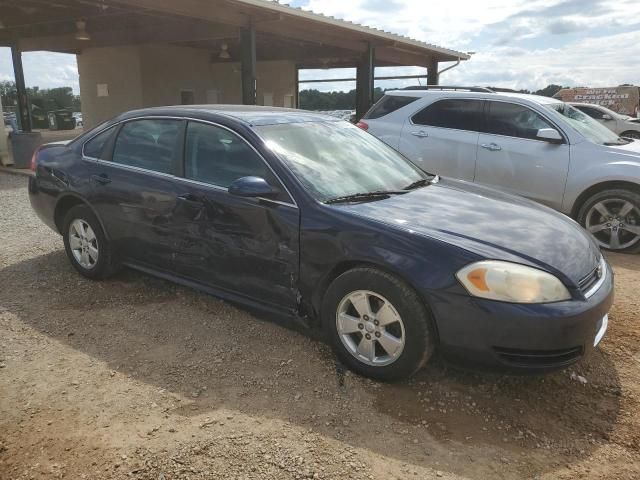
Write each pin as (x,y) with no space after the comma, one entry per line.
(240,300)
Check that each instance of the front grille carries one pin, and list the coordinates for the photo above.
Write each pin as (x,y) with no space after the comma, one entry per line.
(539,358)
(589,281)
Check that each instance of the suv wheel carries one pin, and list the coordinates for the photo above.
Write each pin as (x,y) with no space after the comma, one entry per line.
(613,217)
(631,134)
(86,245)
(377,325)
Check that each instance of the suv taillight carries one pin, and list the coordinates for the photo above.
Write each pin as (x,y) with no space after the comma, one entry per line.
(34,159)
(363,125)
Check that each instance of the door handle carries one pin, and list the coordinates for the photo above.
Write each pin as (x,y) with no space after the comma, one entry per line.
(102,179)
(494,147)
(420,134)
(191,199)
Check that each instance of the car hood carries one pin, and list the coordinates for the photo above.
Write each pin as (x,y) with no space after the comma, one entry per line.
(489,223)
(631,149)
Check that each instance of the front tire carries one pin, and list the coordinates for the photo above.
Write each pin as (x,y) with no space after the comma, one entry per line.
(613,217)
(377,325)
(631,134)
(86,244)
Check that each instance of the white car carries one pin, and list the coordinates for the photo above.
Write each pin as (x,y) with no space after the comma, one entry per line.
(533,146)
(623,125)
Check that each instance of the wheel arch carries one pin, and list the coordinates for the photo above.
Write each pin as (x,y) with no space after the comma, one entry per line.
(599,187)
(65,203)
(344,266)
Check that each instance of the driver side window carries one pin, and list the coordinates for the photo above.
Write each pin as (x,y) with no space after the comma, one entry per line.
(512,120)
(217,156)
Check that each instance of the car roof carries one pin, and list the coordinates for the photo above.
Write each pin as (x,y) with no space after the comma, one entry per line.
(250,114)
(469,94)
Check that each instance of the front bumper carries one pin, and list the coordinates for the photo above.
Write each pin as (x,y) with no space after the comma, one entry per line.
(520,338)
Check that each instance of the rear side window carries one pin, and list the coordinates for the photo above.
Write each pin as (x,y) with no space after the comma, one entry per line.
(96,147)
(148,144)
(389,104)
(513,120)
(459,114)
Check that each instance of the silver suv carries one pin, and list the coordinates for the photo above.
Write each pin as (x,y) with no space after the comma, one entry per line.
(538,147)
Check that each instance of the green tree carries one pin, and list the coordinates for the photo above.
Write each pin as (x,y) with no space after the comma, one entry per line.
(45,99)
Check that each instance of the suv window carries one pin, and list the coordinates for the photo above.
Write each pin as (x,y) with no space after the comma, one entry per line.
(592,112)
(95,148)
(459,114)
(389,104)
(512,120)
(219,157)
(149,144)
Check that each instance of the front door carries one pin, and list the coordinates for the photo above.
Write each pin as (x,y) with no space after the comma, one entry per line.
(247,246)
(443,137)
(512,159)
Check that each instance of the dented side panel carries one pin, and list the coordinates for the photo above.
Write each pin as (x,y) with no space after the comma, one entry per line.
(245,245)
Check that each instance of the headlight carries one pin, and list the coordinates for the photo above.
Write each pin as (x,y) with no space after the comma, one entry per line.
(511,282)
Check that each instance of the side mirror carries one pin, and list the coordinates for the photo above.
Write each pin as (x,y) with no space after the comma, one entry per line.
(607,117)
(550,135)
(252,187)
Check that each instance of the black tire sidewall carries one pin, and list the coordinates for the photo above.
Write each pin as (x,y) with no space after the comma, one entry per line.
(419,337)
(102,267)
(616,193)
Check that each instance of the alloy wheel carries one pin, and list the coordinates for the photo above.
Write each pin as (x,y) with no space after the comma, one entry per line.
(370,328)
(84,244)
(615,223)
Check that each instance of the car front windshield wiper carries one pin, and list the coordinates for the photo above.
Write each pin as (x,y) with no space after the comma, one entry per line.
(423,182)
(359,197)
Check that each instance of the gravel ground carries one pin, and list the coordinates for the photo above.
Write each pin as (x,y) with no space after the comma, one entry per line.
(139,378)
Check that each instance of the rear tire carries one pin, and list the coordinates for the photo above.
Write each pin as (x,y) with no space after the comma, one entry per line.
(86,244)
(613,218)
(389,336)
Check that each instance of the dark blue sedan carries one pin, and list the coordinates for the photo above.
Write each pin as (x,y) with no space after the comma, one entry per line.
(309,217)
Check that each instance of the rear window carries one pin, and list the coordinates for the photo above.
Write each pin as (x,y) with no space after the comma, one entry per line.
(387,105)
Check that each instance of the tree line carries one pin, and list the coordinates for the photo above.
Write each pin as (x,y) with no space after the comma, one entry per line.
(312,99)
(47,99)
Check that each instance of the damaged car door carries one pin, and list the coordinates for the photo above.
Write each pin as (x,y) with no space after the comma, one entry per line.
(246,245)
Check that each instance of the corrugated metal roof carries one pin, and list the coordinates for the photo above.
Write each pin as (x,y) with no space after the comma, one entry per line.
(274,5)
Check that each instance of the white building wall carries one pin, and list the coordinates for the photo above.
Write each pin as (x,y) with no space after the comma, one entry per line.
(156,75)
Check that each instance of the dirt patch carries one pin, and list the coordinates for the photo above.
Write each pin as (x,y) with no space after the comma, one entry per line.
(139,378)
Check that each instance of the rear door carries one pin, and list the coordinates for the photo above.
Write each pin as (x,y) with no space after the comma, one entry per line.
(512,159)
(248,246)
(134,190)
(443,137)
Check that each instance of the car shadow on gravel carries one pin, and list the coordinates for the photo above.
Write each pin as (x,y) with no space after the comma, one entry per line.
(219,356)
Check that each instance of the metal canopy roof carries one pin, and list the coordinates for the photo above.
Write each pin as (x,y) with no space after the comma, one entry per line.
(283,32)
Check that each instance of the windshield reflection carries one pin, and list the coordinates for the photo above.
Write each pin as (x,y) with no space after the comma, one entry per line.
(586,125)
(337,159)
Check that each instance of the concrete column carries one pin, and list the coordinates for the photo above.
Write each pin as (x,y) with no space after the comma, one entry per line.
(24,111)
(432,73)
(248,65)
(365,83)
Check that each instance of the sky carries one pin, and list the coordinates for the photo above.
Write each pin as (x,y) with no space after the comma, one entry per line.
(518,43)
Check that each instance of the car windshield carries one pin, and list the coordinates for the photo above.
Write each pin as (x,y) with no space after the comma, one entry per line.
(336,159)
(587,126)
